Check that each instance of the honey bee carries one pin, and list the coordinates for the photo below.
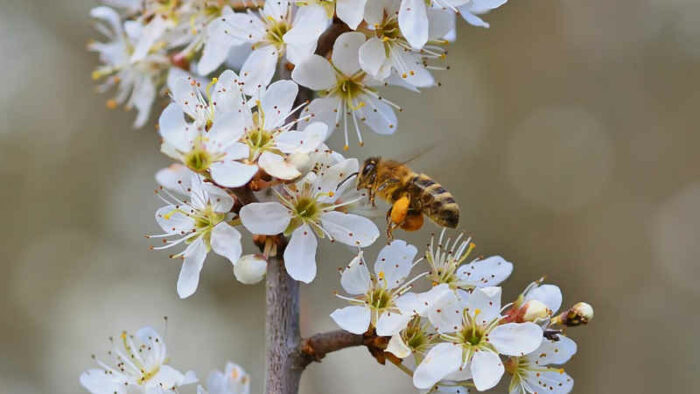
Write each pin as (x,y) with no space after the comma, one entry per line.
(410,194)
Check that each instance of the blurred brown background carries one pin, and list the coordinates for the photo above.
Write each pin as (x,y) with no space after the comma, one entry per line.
(568,132)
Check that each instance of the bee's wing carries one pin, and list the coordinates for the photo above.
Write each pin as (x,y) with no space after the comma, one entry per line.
(417,154)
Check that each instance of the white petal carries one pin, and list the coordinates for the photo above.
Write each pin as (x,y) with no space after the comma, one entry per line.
(330,178)
(216,47)
(373,59)
(553,352)
(226,241)
(227,94)
(391,323)
(250,269)
(487,369)
(300,255)
(482,6)
(413,21)
(266,218)
(304,141)
(258,69)
(142,99)
(277,101)
(173,128)
(188,280)
(314,73)
(397,347)
(172,221)
(378,115)
(175,177)
(149,35)
(354,319)
(442,21)
(473,19)
(547,294)
(276,9)
(350,229)
(490,271)
(231,173)
(550,381)
(355,277)
(185,95)
(309,22)
(485,300)
(218,198)
(323,109)
(444,310)
(277,166)
(441,360)
(395,261)
(167,376)
(346,52)
(516,339)
(350,11)
(97,381)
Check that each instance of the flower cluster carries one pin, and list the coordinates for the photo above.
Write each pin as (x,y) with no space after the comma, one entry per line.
(393,42)
(250,155)
(457,333)
(138,363)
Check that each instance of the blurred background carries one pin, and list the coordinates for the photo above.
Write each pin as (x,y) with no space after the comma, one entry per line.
(568,133)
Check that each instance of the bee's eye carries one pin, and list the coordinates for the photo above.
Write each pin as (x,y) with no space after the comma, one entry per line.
(368,168)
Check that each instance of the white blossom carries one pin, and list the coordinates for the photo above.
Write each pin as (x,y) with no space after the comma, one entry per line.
(312,207)
(136,364)
(387,52)
(136,80)
(202,222)
(414,21)
(534,372)
(381,300)
(446,258)
(345,90)
(473,346)
(277,30)
(233,380)
(473,8)
(349,11)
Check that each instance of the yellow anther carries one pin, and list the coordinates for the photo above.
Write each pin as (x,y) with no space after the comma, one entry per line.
(331,194)
(96,75)
(477,311)
(111,104)
(381,275)
(346,147)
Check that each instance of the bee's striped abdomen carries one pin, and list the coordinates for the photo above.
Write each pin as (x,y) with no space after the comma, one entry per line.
(435,201)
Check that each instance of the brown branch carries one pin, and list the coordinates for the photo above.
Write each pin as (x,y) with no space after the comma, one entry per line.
(316,347)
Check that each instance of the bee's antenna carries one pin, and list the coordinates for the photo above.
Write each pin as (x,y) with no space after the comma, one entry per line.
(346,179)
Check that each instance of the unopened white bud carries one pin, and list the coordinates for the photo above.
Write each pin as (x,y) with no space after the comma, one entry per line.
(584,311)
(534,311)
(300,161)
(250,269)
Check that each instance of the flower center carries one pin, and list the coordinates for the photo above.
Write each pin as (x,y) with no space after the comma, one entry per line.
(306,208)
(472,335)
(414,336)
(258,139)
(198,160)
(388,30)
(349,88)
(275,33)
(379,298)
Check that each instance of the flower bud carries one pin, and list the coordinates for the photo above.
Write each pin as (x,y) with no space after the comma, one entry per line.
(250,269)
(534,311)
(581,313)
(300,161)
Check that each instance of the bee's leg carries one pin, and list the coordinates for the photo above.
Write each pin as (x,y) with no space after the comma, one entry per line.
(399,209)
(389,225)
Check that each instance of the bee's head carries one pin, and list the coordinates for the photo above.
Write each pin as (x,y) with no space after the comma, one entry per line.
(368,173)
